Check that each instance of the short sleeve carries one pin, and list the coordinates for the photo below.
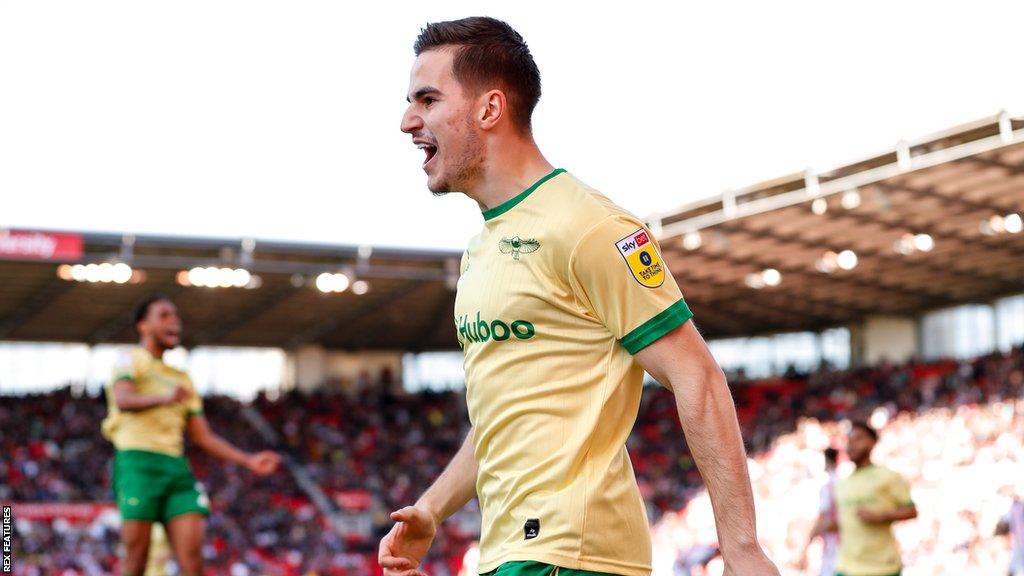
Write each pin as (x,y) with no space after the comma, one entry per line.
(900,490)
(194,402)
(124,368)
(617,273)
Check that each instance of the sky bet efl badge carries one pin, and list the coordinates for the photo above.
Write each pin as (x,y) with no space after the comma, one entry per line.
(642,258)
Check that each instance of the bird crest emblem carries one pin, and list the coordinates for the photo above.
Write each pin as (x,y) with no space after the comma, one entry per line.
(516,246)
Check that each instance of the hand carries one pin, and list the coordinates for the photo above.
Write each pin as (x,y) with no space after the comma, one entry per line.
(180,394)
(869,517)
(263,463)
(753,563)
(801,561)
(407,543)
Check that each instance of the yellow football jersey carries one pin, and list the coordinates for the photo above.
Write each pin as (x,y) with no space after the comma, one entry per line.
(159,429)
(869,549)
(159,551)
(556,293)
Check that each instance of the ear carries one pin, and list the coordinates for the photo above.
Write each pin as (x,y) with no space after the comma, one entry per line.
(493,106)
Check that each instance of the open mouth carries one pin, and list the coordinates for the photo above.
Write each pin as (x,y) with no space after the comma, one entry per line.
(430,150)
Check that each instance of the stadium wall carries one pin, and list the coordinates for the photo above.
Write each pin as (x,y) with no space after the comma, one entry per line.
(879,338)
(312,368)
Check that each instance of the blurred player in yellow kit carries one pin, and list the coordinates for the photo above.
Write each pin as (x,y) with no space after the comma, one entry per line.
(159,552)
(150,407)
(869,501)
(563,302)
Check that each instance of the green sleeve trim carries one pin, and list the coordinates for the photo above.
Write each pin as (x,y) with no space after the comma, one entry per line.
(666,321)
(123,376)
(195,412)
(511,203)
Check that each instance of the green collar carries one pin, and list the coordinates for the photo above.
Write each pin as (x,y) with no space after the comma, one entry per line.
(511,203)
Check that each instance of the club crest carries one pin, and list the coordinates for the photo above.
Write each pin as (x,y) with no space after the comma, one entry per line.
(516,246)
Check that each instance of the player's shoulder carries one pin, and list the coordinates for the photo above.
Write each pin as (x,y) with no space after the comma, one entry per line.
(589,203)
(176,371)
(131,357)
(590,210)
(130,363)
(890,474)
(880,475)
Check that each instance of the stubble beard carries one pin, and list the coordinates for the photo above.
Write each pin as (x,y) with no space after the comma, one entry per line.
(467,165)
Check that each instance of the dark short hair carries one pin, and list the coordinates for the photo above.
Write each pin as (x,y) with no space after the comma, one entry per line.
(142,309)
(490,54)
(831,455)
(866,428)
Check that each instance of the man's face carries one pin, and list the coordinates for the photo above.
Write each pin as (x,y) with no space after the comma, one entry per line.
(859,445)
(162,324)
(440,120)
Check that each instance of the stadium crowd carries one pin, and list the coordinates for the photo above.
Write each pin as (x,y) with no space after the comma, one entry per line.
(953,429)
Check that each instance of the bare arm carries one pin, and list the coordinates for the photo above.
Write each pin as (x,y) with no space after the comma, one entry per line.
(407,543)
(681,362)
(823,525)
(128,398)
(455,486)
(199,431)
(903,513)
(907,512)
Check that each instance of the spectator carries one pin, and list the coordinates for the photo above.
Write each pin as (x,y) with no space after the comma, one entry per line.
(953,430)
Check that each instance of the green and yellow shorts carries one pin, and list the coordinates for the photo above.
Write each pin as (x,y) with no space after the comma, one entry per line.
(156,487)
(531,568)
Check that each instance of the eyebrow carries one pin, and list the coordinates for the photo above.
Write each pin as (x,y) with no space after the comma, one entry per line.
(422,92)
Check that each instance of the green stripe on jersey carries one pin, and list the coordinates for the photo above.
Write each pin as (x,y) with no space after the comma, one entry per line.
(511,203)
(666,321)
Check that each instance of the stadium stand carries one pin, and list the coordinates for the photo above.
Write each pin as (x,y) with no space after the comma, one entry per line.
(874,247)
(954,430)
(931,223)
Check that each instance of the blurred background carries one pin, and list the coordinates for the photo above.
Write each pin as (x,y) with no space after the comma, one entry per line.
(838,191)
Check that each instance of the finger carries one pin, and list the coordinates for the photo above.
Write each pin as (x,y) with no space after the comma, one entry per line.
(406,514)
(411,572)
(396,563)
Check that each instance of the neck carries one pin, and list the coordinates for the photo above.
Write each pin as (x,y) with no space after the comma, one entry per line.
(863,463)
(152,347)
(518,166)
